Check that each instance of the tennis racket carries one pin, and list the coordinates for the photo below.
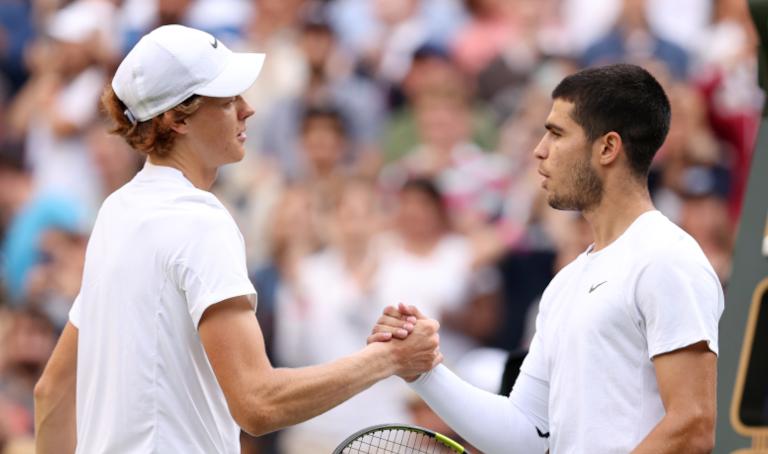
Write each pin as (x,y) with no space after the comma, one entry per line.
(398,439)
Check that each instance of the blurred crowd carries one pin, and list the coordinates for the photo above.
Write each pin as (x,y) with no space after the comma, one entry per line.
(389,160)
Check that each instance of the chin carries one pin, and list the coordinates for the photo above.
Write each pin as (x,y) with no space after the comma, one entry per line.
(235,155)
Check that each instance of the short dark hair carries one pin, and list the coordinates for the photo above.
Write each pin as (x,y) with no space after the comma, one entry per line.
(622,98)
(429,189)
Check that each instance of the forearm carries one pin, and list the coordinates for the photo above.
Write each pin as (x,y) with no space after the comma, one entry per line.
(55,428)
(55,416)
(286,396)
(678,435)
(492,423)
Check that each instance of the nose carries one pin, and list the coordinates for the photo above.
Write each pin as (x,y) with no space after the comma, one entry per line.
(244,109)
(541,151)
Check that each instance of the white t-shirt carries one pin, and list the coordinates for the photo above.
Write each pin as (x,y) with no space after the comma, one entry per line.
(604,317)
(161,252)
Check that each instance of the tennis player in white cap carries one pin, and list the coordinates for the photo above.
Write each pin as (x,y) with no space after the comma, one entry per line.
(163,352)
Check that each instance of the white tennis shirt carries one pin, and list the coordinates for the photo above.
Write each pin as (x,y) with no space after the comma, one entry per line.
(601,321)
(161,252)
(588,384)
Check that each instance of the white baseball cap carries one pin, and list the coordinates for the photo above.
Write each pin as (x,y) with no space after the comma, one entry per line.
(172,63)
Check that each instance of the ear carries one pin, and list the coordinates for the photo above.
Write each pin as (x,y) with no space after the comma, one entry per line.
(178,126)
(609,147)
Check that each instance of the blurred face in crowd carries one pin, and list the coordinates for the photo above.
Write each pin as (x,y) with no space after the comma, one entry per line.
(419,216)
(323,143)
(443,122)
(69,58)
(28,343)
(356,213)
(564,155)
(317,44)
(217,129)
(278,10)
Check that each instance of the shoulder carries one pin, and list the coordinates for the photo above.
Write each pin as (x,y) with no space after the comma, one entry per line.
(671,260)
(200,209)
(664,244)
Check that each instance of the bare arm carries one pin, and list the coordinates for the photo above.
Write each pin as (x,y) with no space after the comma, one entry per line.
(263,399)
(55,429)
(687,384)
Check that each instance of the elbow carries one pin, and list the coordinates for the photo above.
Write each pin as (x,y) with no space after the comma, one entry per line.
(42,389)
(257,424)
(255,417)
(701,430)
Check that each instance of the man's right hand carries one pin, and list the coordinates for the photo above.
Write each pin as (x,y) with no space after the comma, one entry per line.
(395,323)
(415,341)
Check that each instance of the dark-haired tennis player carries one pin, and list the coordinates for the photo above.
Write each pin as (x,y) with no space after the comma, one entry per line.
(624,355)
(163,353)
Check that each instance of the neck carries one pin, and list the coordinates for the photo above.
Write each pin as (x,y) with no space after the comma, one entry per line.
(195,171)
(616,212)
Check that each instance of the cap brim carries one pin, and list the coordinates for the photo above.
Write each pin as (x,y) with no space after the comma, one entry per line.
(240,73)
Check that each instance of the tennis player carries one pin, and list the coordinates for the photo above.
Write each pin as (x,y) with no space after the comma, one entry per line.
(163,352)
(624,355)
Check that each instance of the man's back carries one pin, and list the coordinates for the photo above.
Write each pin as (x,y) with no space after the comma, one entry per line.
(144,383)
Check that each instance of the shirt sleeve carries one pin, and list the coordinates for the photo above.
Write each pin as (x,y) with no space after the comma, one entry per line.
(495,424)
(680,300)
(212,267)
(74,313)
(535,363)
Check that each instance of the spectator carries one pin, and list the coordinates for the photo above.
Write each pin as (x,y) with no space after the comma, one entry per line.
(28,340)
(472,181)
(25,215)
(329,82)
(728,79)
(433,73)
(316,322)
(59,102)
(274,30)
(495,26)
(425,262)
(633,40)
(54,283)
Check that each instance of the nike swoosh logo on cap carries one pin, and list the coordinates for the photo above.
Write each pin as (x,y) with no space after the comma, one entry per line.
(542,435)
(215,43)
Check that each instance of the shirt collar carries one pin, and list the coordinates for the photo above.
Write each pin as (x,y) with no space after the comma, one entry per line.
(166,173)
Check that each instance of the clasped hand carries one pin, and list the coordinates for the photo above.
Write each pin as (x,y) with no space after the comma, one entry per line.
(414,339)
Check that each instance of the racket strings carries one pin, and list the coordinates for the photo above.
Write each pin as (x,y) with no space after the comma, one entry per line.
(397,441)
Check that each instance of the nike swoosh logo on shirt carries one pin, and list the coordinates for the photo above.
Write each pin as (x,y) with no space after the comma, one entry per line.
(215,43)
(592,289)
(542,435)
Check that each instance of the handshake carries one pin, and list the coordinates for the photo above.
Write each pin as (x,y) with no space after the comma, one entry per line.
(408,340)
